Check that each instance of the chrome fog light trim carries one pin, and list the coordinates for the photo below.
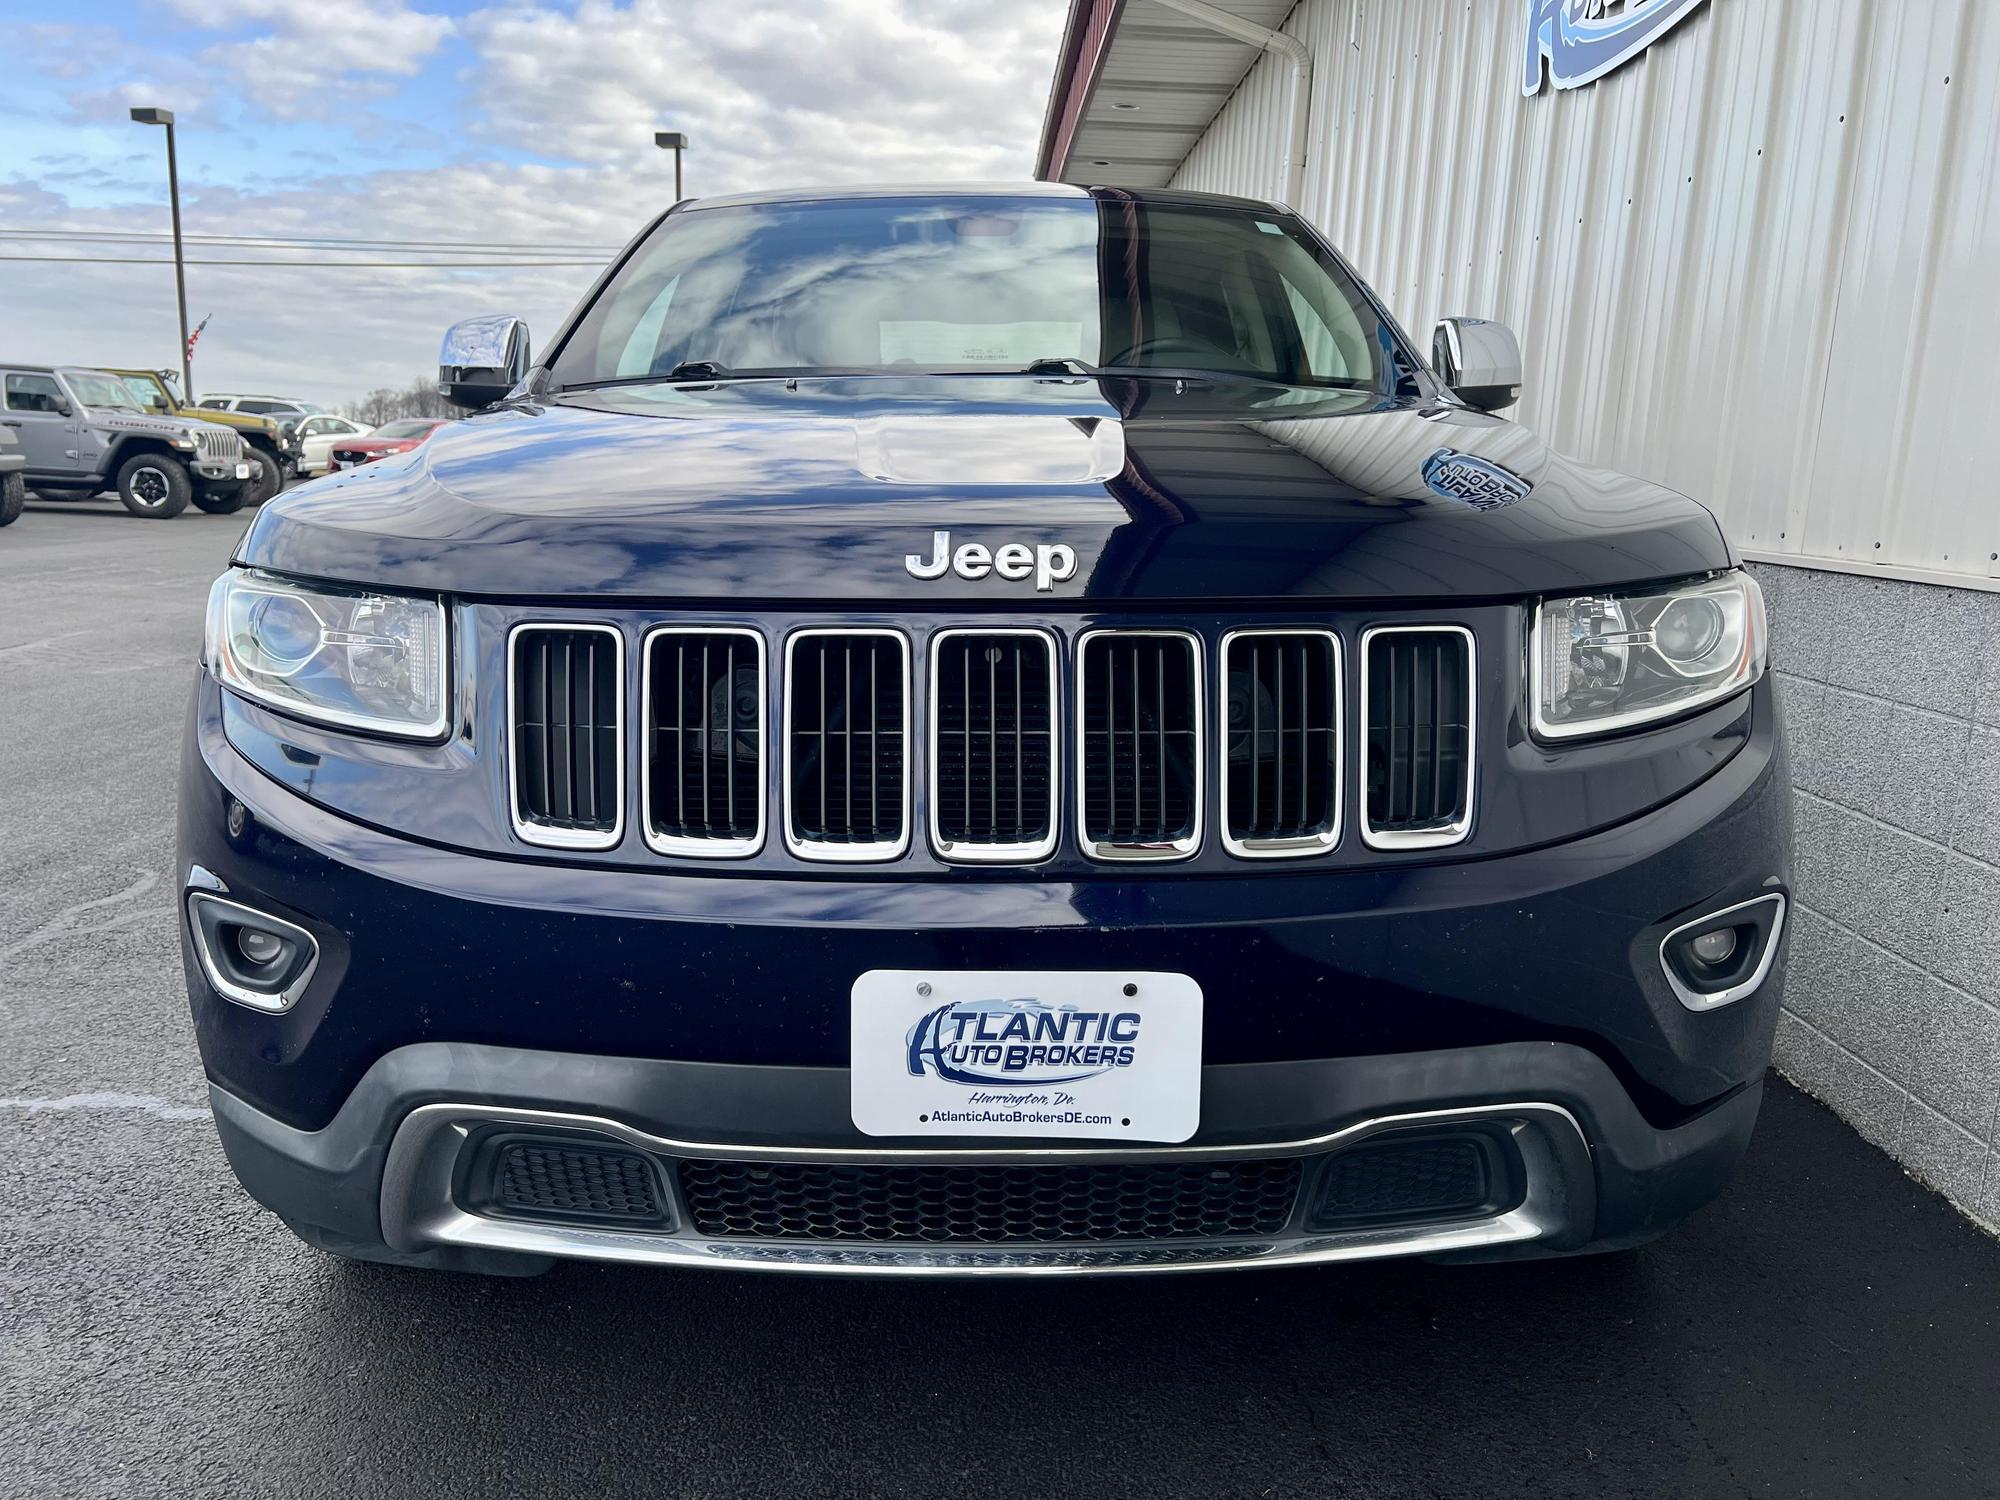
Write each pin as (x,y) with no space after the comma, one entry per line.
(1702,1000)
(208,918)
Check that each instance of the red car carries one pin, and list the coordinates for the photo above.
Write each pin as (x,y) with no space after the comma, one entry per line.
(390,437)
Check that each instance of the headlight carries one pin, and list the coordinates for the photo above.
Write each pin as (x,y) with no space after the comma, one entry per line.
(342,656)
(1612,661)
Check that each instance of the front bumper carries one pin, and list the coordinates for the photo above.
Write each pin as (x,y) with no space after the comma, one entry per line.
(386,1178)
(675,1014)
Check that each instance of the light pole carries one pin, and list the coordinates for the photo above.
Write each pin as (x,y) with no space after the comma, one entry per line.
(166,117)
(674,141)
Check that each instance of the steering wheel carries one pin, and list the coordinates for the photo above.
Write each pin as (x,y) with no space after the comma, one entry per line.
(1174,349)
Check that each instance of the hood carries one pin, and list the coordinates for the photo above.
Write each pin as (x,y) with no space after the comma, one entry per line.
(819,490)
(373,444)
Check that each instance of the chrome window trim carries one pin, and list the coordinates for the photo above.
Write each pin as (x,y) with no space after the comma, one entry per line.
(271,1004)
(418,1210)
(846,853)
(969,853)
(540,834)
(1309,844)
(1707,1000)
(1428,838)
(677,844)
(1157,852)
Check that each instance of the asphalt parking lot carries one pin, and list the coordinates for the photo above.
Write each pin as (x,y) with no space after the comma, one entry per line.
(1828,1328)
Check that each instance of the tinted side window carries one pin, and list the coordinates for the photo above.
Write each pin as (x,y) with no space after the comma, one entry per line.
(32,393)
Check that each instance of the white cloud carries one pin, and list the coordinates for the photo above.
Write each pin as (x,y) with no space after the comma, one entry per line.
(773,92)
(319,55)
(770,94)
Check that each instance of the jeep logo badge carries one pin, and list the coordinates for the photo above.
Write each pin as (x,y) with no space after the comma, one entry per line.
(1051,563)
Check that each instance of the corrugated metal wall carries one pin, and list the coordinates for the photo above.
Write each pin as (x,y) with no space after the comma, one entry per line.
(1761,263)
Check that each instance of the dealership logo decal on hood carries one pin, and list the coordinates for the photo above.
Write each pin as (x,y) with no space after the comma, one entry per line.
(1476,482)
(1021,1042)
(1582,40)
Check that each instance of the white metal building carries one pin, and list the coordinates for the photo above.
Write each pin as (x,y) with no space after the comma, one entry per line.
(1752,250)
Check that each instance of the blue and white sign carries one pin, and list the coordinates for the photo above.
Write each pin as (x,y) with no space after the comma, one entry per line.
(1477,482)
(1582,40)
(1104,1056)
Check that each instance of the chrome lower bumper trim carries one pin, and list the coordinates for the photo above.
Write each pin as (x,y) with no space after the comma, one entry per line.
(419,1211)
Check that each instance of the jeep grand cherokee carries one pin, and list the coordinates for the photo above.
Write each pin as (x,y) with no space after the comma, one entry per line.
(995,731)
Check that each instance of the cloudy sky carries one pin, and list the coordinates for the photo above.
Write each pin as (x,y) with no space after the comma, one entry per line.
(523,123)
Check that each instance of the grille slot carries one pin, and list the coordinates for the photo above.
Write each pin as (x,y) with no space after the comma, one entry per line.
(993,744)
(565,734)
(1411,1181)
(1416,684)
(1139,749)
(546,1180)
(1281,751)
(847,726)
(989,1204)
(705,741)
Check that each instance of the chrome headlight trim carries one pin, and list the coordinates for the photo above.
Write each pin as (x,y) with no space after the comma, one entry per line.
(221,662)
(1749,669)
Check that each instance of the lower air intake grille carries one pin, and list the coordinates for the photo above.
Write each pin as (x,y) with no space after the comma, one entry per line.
(1139,700)
(1419,736)
(705,741)
(993,776)
(1409,1181)
(1281,774)
(847,720)
(567,1182)
(988,1205)
(566,692)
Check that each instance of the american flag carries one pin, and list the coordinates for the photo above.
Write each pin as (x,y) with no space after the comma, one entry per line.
(195,337)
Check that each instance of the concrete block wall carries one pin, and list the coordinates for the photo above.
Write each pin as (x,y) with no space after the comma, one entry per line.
(1891,692)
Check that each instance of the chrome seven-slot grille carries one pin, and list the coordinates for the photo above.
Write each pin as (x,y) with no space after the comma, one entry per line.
(218,442)
(1139,750)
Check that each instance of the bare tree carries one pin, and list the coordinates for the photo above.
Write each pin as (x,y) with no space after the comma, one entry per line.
(417,399)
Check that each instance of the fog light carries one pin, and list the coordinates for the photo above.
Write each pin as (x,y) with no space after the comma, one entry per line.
(1717,959)
(1715,947)
(251,957)
(265,947)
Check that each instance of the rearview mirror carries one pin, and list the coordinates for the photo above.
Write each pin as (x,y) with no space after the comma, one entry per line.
(1480,360)
(482,359)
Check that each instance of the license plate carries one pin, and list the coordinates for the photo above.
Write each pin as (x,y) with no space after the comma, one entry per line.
(1114,1055)
(243,471)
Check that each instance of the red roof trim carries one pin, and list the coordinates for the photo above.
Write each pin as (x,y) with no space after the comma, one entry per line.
(1085,44)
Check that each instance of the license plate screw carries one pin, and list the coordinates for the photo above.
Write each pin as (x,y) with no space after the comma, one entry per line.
(924,987)
(1131,989)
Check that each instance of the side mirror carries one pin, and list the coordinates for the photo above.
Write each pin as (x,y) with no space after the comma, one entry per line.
(1479,360)
(482,359)
(63,407)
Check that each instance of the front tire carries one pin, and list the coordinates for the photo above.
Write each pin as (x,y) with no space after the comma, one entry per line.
(13,495)
(266,479)
(153,487)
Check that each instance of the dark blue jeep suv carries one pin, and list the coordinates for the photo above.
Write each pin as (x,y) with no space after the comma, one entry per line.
(982,731)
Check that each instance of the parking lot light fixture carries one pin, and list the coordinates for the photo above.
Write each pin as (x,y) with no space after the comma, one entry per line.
(150,116)
(674,141)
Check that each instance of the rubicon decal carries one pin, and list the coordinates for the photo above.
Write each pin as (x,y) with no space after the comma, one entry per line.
(1022,1042)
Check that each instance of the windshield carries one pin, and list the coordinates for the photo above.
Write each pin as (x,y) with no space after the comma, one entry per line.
(100,391)
(146,393)
(965,284)
(404,429)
